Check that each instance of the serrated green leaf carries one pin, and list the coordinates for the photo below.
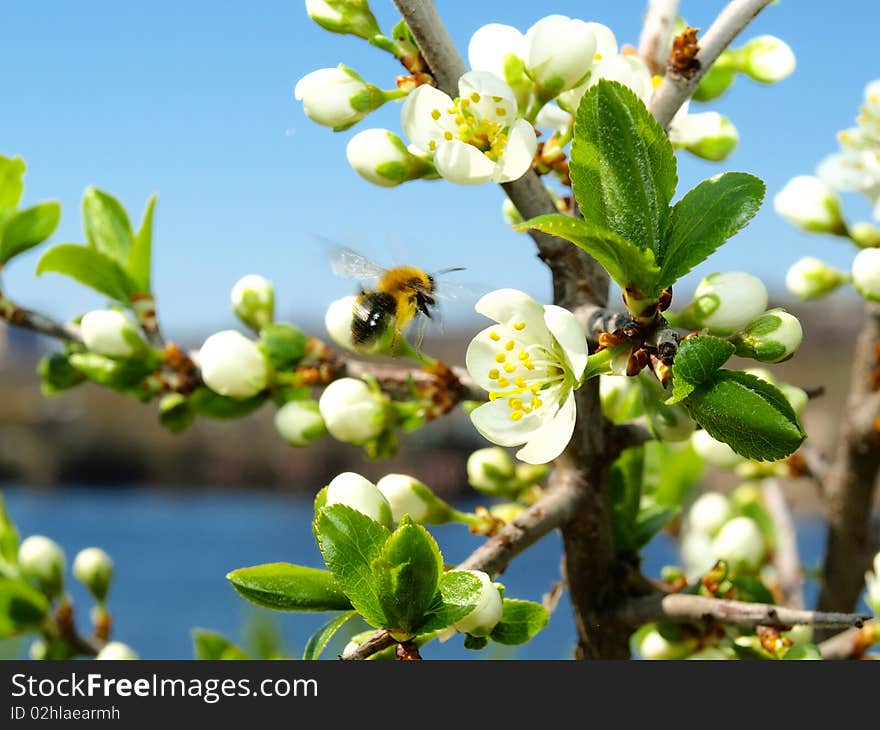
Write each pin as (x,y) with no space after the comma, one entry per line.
(350,543)
(704,219)
(458,593)
(22,607)
(90,267)
(211,645)
(139,264)
(318,641)
(625,262)
(520,621)
(11,183)
(406,575)
(747,413)
(287,587)
(623,167)
(27,228)
(697,359)
(626,489)
(106,224)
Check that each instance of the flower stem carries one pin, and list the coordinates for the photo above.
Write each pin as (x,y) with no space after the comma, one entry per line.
(386,44)
(599,363)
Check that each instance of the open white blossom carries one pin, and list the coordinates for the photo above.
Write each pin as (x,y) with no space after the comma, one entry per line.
(530,362)
(475,138)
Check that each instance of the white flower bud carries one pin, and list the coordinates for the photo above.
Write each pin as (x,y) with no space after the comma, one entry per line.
(865,235)
(559,53)
(709,513)
(300,423)
(714,452)
(490,471)
(352,17)
(337,320)
(810,278)
(109,332)
(696,554)
(337,97)
(117,651)
(42,560)
(810,204)
(866,273)
(409,496)
(352,411)
(653,647)
(725,303)
(361,494)
(253,301)
(628,70)
(708,135)
(380,157)
(487,613)
(740,543)
(232,365)
(797,397)
(773,337)
(94,569)
(767,59)
(38,650)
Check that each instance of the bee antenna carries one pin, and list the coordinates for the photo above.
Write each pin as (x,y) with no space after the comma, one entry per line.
(450,270)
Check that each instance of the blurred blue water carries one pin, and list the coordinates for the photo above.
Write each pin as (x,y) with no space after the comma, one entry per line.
(173,549)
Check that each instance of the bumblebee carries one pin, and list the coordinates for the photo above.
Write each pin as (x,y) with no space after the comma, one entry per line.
(402,293)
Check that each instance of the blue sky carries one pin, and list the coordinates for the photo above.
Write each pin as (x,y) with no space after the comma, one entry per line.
(195,101)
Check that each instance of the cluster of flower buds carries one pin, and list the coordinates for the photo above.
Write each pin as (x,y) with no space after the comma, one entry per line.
(765,59)
(493,473)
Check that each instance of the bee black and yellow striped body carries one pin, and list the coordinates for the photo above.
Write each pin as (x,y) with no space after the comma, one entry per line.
(403,292)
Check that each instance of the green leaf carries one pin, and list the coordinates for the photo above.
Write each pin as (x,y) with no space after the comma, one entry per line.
(22,607)
(520,621)
(697,360)
(623,168)
(90,267)
(747,413)
(318,641)
(350,542)
(103,370)
(458,593)
(11,183)
(283,345)
(625,262)
(205,402)
(407,574)
(107,227)
(475,643)
(140,258)
(287,587)
(650,520)
(211,645)
(752,589)
(626,489)
(8,537)
(671,472)
(704,219)
(27,228)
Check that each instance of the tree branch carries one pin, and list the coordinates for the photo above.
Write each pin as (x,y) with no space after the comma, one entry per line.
(677,88)
(681,608)
(26,319)
(395,380)
(657,32)
(785,558)
(852,643)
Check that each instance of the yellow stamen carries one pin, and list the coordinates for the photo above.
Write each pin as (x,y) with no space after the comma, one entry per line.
(493,374)
(500,357)
(537,403)
(509,367)
(432,145)
(448,136)
(494,336)
(598,57)
(435,114)
(496,99)
(520,326)
(500,111)
(510,345)
(493,394)
(520,382)
(516,415)
(523,355)
(515,403)
(503,382)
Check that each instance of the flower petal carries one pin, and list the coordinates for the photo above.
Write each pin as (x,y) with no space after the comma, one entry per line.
(518,154)
(462,163)
(564,326)
(517,311)
(417,117)
(488,97)
(550,440)
(606,43)
(480,357)
(491,45)
(494,423)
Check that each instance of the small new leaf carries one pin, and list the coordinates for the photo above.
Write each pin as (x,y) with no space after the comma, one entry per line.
(287,587)
(27,228)
(22,607)
(90,267)
(106,224)
(458,594)
(697,360)
(212,645)
(747,413)
(520,621)
(11,183)
(139,262)
(318,641)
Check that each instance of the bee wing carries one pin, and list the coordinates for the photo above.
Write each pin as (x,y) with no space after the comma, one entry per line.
(350,264)
(458,290)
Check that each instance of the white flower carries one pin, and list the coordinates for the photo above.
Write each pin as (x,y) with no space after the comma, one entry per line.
(559,53)
(490,471)
(337,97)
(709,512)
(117,651)
(866,273)
(810,278)
(380,157)
(477,137)
(299,422)
(337,320)
(94,569)
(344,16)
(42,560)
(626,69)
(361,494)
(553,117)
(708,135)
(714,452)
(767,59)
(498,49)
(740,543)
(773,337)
(408,496)
(864,234)
(232,365)
(809,203)
(530,362)
(352,411)
(109,332)
(487,612)
(725,303)
(696,554)
(253,300)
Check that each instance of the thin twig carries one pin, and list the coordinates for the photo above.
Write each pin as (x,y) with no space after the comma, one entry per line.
(17,316)
(681,608)
(676,88)
(395,380)
(850,644)
(657,33)
(785,558)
